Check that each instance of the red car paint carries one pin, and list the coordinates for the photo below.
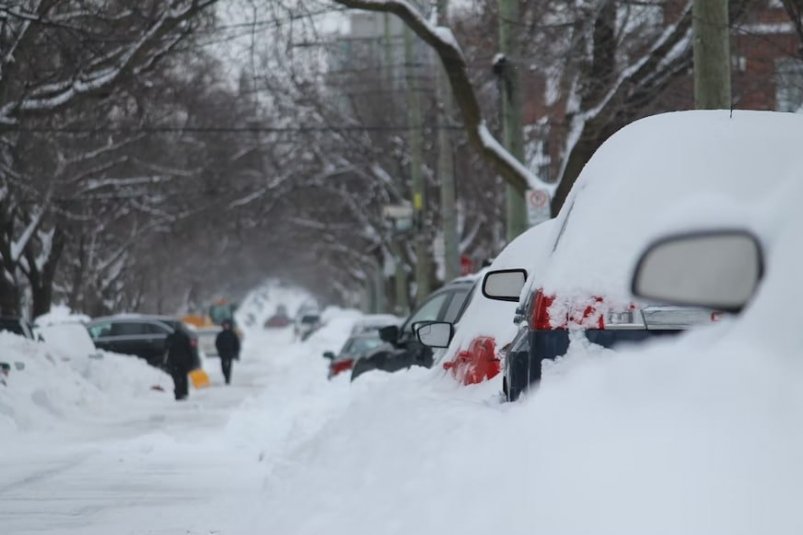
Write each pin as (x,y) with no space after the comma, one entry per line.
(477,363)
(340,366)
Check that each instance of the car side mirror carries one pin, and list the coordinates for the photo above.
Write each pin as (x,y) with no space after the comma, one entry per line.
(435,334)
(328,355)
(389,334)
(504,284)
(717,269)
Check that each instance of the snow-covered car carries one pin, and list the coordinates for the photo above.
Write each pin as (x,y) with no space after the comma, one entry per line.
(356,347)
(668,166)
(405,350)
(279,319)
(72,338)
(306,323)
(477,349)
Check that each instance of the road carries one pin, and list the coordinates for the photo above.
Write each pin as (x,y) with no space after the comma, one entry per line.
(163,467)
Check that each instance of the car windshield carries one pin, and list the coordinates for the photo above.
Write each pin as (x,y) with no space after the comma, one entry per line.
(360,345)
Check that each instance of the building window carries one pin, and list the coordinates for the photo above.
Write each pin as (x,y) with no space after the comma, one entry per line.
(789,85)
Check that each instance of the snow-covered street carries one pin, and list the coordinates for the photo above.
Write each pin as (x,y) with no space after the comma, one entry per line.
(627,441)
(156,466)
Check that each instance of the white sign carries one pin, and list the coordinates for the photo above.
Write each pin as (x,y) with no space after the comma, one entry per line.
(397,211)
(538,206)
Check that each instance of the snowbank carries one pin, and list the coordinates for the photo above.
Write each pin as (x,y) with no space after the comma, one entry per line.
(55,389)
(700,434)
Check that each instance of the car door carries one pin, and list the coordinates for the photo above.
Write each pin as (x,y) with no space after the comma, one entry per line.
(413,352)
(157,335)
(132,337)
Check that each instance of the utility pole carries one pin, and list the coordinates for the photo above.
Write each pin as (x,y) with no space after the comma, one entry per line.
(451,252)
(712,61)
(401,301)
(416,178)
(507,69)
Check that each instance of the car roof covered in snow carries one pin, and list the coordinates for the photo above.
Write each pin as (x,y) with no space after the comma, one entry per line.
(688,168)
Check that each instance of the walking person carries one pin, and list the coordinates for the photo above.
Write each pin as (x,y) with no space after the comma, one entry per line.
(228,348)
(179,361)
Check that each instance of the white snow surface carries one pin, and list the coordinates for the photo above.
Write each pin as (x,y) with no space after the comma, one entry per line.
(696,435)
(696,167)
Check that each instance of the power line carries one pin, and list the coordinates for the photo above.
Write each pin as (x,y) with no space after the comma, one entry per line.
(217,129)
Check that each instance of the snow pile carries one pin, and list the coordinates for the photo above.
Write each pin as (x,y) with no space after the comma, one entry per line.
(59,314)
(699,434)
(55,389)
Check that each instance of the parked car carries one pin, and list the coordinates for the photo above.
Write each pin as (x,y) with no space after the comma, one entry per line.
(71,337)
(374,322)
(279,319)
(17,326)
(405,350)
(140,335)
(667,166)
(306,323)
(476,351)
(358,346)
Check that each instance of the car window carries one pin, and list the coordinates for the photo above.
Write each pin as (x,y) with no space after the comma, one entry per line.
(154,328)
(129,328)
(456,305)
(428,311)
(365,344)
(100,329)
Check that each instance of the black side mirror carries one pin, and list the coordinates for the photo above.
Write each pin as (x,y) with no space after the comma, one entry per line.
(328,355)
(389,334)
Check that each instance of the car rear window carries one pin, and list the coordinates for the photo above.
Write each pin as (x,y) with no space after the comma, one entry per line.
(456,306)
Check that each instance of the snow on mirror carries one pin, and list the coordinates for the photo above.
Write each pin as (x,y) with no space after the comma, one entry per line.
(504,284)
(717,270)
(436,334)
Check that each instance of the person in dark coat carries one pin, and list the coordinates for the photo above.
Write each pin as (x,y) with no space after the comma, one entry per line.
(228,348)
(179,361)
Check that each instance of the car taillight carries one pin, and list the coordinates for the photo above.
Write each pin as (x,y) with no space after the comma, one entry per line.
(340,366)
(540,317)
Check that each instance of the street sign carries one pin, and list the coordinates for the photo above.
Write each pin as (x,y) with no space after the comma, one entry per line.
(401,216)
(397,211)
(538,206)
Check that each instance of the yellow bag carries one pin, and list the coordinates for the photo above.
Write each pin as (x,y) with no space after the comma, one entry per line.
(199,378)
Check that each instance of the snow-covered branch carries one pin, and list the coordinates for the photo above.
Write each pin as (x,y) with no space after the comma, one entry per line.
(443,42)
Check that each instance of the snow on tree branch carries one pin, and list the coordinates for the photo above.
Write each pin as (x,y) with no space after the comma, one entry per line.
(443,42)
